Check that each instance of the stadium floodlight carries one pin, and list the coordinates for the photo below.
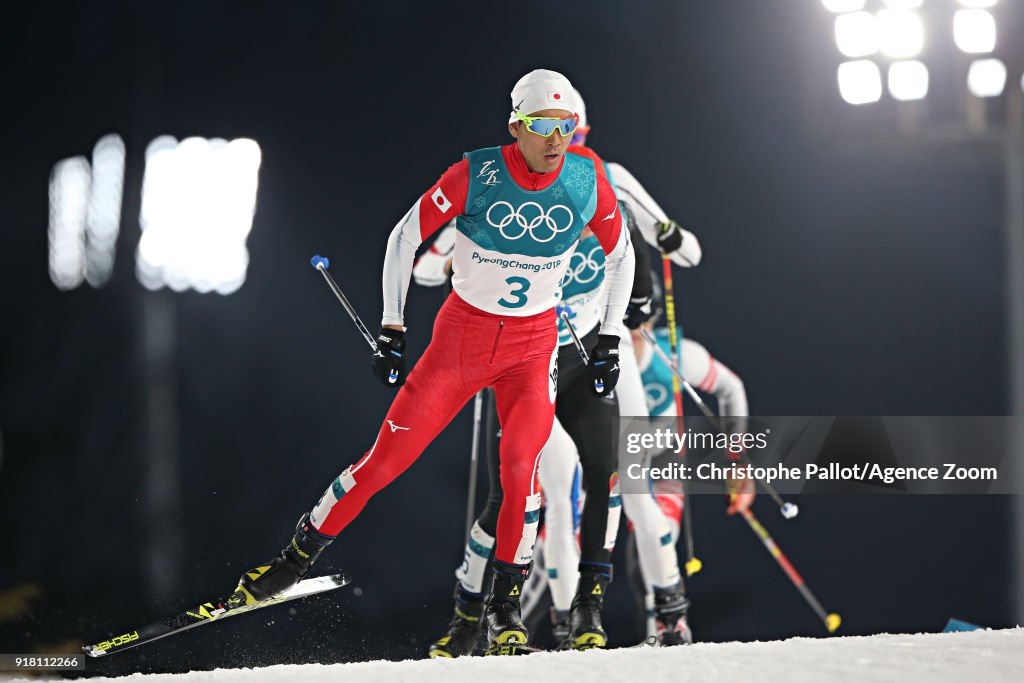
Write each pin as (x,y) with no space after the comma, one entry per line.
(908,80)
(978,4)
(839,6)
(85,215)
(69,206)
(198,201)
(104,216)
(986,78)
(900,33)
(974,30)
(904,4)
(860,81)
(857,34)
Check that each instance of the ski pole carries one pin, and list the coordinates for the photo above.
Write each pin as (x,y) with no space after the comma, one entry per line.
(321,263)
(598,384)
(478,402)
(788,510)
(693,565)
(831,620)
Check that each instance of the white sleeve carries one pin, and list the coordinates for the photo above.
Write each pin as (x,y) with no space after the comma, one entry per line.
(712,376)
(430,268)
(630,388)
(402,245)
(730,392)
(619,265)
(648,214)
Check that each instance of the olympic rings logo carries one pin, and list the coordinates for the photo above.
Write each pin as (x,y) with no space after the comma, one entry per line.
(656,394)
(582,269)
(528,220)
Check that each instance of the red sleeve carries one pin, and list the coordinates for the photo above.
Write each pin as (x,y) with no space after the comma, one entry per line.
(607,220)
(445,199)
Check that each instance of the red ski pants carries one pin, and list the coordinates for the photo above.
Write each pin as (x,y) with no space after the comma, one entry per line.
(470,350)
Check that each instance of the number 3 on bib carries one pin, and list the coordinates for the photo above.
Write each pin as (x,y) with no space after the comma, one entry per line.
(518,294)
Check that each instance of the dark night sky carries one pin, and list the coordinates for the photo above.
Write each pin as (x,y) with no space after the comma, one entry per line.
(850,278)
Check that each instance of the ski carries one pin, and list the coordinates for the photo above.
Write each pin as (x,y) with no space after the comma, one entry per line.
(508,649)
(240,602)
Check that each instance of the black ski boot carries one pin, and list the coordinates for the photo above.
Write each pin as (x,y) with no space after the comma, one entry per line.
(585,630)
(464,628)
(559,624)
(506,633)
(670,606)
(285,570)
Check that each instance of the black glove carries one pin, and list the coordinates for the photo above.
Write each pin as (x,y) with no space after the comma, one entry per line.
(638,312)
(604,364)
(670,236)
(388,362)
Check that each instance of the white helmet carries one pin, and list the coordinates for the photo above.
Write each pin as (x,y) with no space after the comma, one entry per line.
(542,89)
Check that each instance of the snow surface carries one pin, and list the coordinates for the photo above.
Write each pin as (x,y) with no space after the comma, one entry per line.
(954,657)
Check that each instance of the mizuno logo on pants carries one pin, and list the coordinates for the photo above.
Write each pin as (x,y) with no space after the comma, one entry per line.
(395,428)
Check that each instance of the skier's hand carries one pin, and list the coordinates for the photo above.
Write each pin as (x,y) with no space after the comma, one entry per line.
(388,362)
(604,365)
(638,312)
(670,236)
(741,494)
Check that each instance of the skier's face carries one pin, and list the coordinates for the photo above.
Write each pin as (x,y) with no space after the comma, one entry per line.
(541,154)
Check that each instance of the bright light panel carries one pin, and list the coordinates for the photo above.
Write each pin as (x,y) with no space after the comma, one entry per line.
(860,82)
(974,30)
(986,78)
(198,201)
(838,6)
(908,80)
(901,33)
(903,4)
(69,206)
(104,217)
(857,34)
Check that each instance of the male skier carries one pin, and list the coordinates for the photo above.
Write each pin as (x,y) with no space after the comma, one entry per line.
(706,374)
(589,422)
(520,212)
